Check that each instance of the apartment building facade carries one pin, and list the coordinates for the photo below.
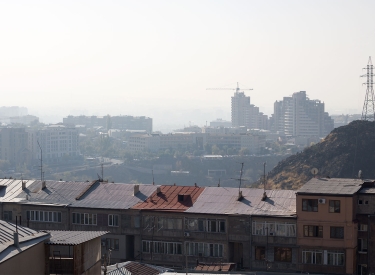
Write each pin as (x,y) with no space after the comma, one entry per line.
(56,142)
(13,146)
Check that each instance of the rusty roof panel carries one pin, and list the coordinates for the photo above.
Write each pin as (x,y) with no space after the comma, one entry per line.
(331,186)
(73,237)
(223,200)
(171,197)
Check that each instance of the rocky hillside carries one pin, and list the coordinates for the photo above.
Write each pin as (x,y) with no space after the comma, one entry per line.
(344,152)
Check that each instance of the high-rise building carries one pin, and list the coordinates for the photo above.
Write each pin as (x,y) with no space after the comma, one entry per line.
(246,114)
(299,116)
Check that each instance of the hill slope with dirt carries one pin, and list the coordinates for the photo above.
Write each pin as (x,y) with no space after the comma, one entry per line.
(344,152)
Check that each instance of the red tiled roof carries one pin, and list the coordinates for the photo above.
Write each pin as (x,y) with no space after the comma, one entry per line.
(168,198)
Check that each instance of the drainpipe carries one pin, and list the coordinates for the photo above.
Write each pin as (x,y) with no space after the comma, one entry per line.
(250,243)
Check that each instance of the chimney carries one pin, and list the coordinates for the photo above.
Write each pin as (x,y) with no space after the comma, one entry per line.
(158,190)
(44,184)
(15,238)
(195,184)
(240,197)
(264,197)
(136,189)
(23,185)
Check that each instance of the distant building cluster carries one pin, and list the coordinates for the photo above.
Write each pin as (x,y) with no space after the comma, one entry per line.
(111,122)
(294,116)
(20,145)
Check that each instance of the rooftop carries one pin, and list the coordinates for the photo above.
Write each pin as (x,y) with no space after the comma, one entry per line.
(26,237)
(224,200)
(73,237)
(331,186)
(171,197)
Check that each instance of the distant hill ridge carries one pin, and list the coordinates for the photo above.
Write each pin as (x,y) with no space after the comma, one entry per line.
(344,152)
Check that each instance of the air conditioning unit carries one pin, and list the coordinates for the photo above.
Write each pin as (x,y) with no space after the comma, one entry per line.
(186,234)
(322,201)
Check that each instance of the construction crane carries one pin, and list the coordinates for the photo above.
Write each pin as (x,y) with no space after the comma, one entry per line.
(236,89)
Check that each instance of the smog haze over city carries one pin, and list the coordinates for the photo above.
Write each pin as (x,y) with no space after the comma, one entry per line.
(156,58)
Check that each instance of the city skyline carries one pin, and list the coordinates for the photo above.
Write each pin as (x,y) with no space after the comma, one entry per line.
(155,58)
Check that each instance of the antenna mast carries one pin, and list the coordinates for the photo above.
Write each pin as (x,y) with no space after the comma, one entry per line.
(264,176)
(41,162)
(368,112)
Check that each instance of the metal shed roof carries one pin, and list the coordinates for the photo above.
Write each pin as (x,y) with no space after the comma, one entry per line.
(223,200)
(331,186)
(73,237)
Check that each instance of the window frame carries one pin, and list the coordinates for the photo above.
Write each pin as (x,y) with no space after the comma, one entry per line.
(334,206)
(316,230)
(283,252)
(260,253)
(334,230)
(113,220)
(310,205)
(313,259)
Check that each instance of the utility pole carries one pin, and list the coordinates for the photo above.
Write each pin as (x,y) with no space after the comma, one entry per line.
(368,112)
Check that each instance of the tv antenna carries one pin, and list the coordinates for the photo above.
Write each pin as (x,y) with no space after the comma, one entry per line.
(153,180)
(41,162)
(240,182)
(368,112)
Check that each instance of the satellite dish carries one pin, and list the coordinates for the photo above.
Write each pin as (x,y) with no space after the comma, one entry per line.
(314,171)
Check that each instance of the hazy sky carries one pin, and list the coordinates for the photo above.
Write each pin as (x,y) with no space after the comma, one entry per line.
(156,58)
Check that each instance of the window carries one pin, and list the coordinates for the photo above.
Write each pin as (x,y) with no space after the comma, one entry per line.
(43,216)
(337,232)
(283,254)
(84,218)
(168,223)
(312,257)
(274,229)
(112,220)
(312,231)
(310,205)
(362,201)
(113,244)
(362,227)
(7,215)
(204,249)
(362,269)
(260,253)
(334,206)
(204,225)
(335,258)
(161,247)
(362,245)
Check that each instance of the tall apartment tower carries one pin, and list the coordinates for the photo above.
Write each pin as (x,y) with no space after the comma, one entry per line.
(246,114)
(240,109)
(13,145)
(299,116)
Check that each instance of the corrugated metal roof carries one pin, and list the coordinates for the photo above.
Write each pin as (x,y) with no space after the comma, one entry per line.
(367,190)
(73,237)
(27,238)
(223,200)
(331,186)
(11,188)
(101,195)
(171,197)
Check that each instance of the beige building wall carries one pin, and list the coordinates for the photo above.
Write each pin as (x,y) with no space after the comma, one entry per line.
(30,261)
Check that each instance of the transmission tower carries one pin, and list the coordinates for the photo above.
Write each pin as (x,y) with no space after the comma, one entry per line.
(368,112)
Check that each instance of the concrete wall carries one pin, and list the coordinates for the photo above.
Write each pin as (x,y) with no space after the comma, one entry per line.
(32,261)
(86,255)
